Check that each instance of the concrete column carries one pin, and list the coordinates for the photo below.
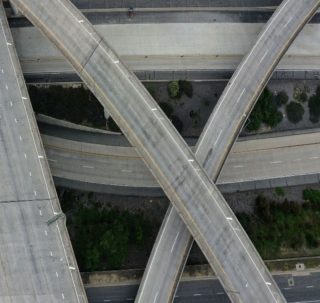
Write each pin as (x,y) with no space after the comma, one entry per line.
(15,10)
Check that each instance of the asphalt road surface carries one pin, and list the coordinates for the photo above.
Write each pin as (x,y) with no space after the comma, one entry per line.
(305,289)
(289,159)
(37,261)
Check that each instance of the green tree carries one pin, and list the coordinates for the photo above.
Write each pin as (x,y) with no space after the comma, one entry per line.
(314,108)
(186,88)
(295,112)
(281,98)
(174,90)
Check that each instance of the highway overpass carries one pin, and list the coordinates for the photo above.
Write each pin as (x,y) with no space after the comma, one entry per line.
(289,158)
(199,203)
(236,102)
(37,260)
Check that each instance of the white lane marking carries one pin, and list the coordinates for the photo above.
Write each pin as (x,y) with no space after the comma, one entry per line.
(268,283)
(7,87)
(219,293)
(310,286)
(126,171)
(11,104)
(287,288)
(25,155)
(8,43)
(20,138)
(240,95)
(15,120)
(197,295)
(275,162)
(116,61)
(2,71)
(287,22)
(156,296)
(24,98)
(313,158)
(51,254)
(80,21)
(40,212)
(191,160)
(154,109)
(238,166)
(72,268)
(40,157)
(62,295)
(57,275)
(30,174)
(229,218)
(35,193)
(219,135)
(46,233)
(175,241)
(263,56)
(87,166)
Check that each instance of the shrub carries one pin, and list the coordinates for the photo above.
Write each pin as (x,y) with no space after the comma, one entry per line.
(174,90)
(281,98)
(314,108)
(295,112)
(279,191)
(186,88)
(311,195)
(265,112)
(303,97)
(76,105)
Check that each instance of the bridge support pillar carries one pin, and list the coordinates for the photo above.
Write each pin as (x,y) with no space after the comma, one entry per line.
(15,10)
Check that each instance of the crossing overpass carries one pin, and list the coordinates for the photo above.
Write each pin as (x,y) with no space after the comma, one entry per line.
(201,206)
(37,260)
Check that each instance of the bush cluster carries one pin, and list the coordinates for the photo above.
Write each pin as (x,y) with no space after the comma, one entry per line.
(295,112)
(77,105)
(102,237)
(287,225)
(314,106)
(265,111)
(177,88)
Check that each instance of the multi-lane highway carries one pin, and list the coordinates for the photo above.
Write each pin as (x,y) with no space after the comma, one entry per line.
(165,264)
(37,261)
(262,162)
(300,288)
(202,207)
(171,46)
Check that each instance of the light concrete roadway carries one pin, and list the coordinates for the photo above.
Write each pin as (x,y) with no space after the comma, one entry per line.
(265,162)
(172,46)
(305,289)
(204,210)
(37,262)
(173,243)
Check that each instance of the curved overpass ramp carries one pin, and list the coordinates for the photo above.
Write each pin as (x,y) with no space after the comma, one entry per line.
(202,207)
(264,162)
(174,241)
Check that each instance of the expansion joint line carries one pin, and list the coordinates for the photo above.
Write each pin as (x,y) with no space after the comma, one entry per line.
(90,56)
